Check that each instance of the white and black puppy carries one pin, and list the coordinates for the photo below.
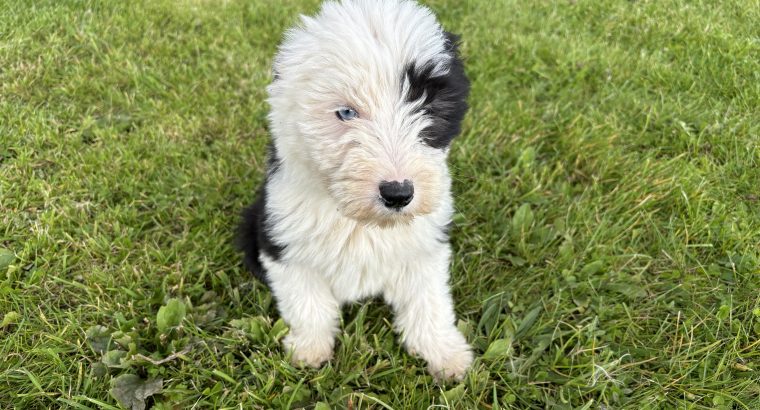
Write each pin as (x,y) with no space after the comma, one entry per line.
(366,98)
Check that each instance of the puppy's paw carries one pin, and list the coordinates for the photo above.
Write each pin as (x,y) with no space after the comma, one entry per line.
(453,365)
(311,352)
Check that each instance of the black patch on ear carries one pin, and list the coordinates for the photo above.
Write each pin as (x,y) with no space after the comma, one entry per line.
(254,232)
(445,96)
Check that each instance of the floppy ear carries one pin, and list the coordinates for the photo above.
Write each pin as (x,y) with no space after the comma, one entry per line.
(445,95)
(452,43)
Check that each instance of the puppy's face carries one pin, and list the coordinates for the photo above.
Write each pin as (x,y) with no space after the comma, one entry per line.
(369,103)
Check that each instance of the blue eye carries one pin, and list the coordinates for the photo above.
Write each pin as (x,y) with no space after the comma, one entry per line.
(346,114)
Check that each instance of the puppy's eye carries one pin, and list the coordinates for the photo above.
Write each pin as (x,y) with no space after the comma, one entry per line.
(346,114)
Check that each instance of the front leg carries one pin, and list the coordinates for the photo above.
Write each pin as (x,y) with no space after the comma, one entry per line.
(424,310)
(308,306)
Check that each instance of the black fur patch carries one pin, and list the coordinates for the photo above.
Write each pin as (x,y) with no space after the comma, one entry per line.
(445,96)
(254,235)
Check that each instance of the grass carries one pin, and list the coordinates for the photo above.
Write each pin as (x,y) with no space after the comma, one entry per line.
(607,240)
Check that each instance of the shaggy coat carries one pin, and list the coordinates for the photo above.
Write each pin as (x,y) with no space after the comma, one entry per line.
(366,98)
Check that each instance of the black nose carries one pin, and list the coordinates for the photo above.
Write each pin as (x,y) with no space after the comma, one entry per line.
(396,194)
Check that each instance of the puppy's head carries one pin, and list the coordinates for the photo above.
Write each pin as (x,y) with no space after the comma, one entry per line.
(367,97)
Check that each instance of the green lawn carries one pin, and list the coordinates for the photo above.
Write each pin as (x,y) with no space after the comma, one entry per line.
(606,246)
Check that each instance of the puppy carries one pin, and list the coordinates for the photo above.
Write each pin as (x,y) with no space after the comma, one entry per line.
(366,98)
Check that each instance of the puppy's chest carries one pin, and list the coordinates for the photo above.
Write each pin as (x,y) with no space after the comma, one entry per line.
(360,261)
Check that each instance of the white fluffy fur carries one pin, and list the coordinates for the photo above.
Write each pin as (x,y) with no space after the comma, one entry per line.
(341,243)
